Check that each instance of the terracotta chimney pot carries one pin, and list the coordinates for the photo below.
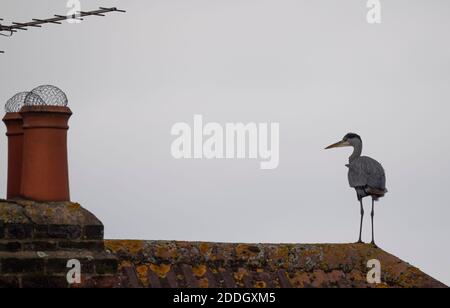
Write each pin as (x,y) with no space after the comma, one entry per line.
(45,174)
(14,132)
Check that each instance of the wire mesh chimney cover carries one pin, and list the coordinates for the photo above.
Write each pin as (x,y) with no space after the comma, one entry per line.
(15,103)
(46,95)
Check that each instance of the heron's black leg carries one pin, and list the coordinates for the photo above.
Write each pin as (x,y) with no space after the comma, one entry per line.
(372,215)
(361,224)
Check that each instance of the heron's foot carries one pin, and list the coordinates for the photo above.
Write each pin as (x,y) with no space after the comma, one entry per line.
(373,244)
(359,242)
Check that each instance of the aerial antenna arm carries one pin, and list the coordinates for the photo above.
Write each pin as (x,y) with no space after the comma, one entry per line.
(4,29)
(57,19)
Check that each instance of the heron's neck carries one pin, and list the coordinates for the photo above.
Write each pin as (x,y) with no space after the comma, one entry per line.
(357,150)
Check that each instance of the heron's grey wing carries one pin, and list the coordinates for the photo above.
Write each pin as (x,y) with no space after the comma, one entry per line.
(365,171)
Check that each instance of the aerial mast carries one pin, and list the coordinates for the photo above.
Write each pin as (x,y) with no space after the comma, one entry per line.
(14,27)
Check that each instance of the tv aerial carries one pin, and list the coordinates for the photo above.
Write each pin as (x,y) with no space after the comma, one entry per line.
(13,28)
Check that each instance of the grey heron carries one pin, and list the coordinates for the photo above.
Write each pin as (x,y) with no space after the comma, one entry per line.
(365,175)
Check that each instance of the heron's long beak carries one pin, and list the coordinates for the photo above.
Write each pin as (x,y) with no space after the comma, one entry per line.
(339,144)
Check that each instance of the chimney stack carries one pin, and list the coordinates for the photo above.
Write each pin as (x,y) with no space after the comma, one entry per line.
(45,175)
(14,132)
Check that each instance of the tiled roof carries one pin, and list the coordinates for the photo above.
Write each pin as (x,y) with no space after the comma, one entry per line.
(194,264)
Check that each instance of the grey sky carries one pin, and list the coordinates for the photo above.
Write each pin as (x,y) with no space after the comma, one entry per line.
(316,67)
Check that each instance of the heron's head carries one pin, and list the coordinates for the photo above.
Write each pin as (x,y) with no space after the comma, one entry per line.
(349,140)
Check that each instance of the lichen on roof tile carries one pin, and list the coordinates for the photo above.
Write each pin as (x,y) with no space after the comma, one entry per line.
(200,264)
